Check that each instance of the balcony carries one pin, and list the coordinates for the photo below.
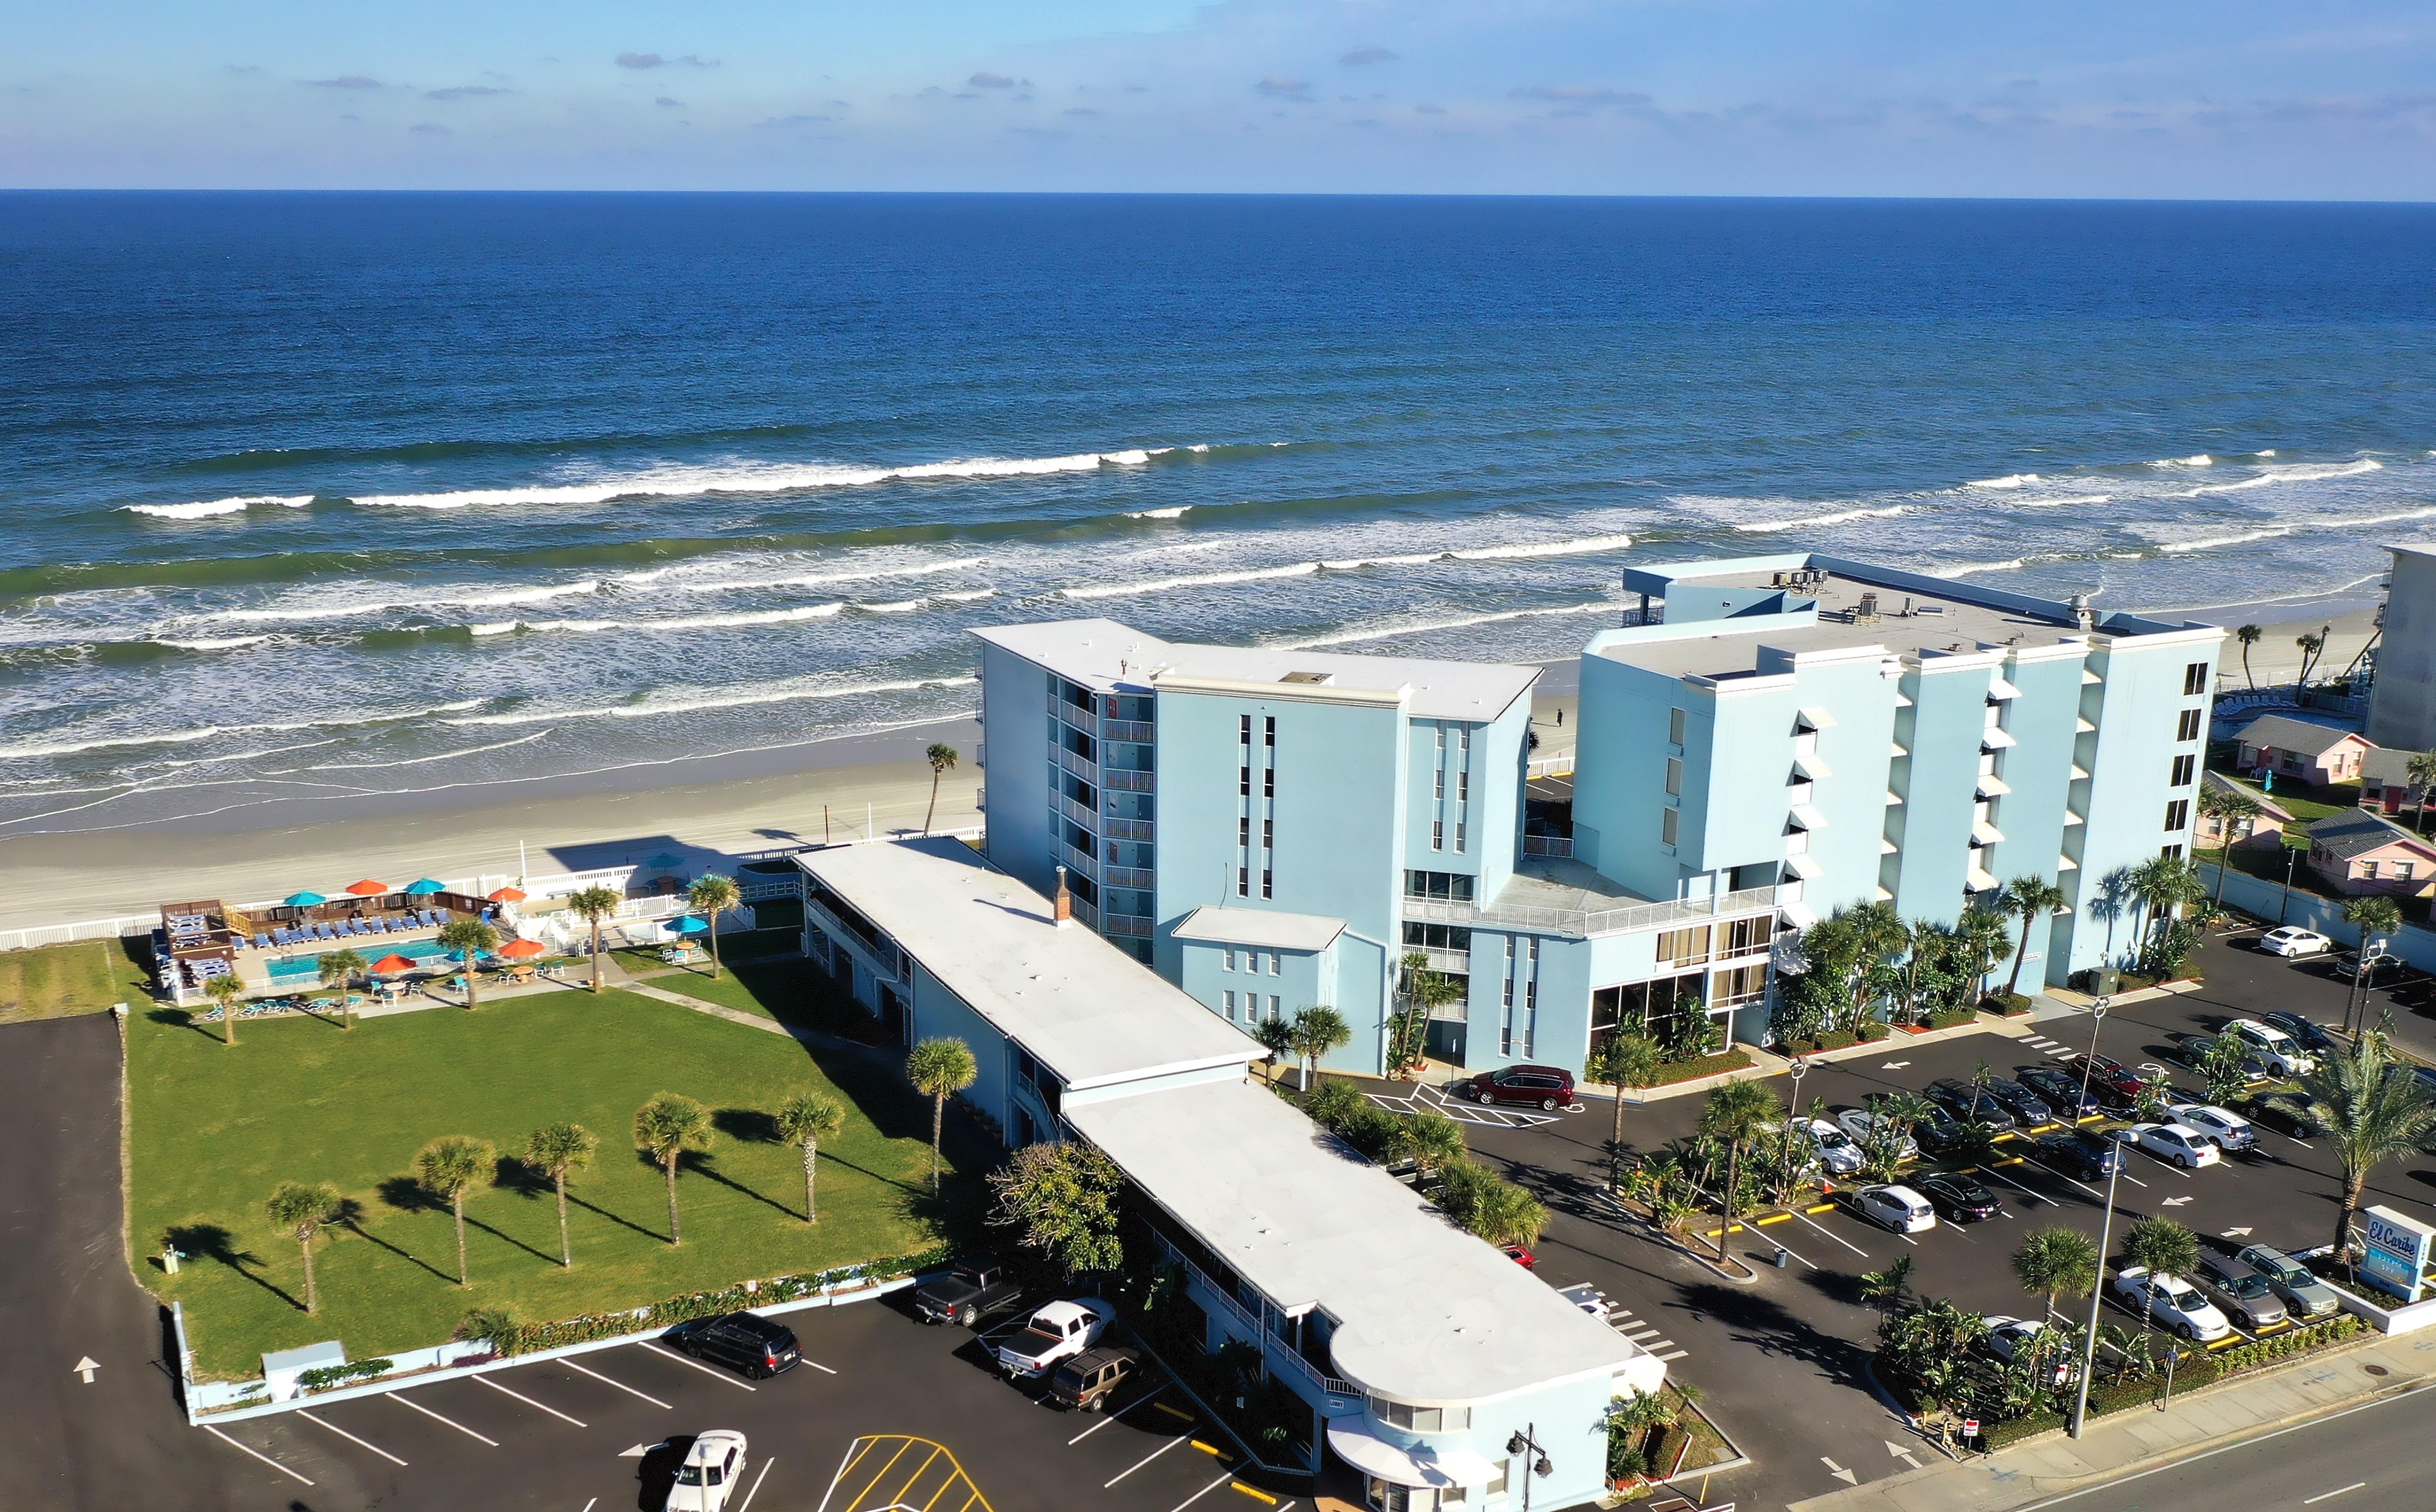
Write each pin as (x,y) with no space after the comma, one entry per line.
(1083,814)
(1123,781)
(1115,828)
(1128,926)
(1547,846)
(1077,861)
(1083,767)
(1142,732)
(1454,963)
(1086,915)
(1141,877)
(1584,923)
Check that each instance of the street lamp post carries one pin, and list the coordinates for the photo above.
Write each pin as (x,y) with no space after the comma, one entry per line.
(2096,1017)
(2371,951)
(2096,1293)
(2283,905)
(1798,1067)
(1527,1442)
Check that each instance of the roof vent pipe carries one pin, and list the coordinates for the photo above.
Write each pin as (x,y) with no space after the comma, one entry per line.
(2081,613)
(1065,910)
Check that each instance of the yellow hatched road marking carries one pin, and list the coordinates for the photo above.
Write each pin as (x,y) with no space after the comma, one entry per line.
(896,1496)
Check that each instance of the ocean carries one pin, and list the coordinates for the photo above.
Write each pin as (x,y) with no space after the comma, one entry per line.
(309,499)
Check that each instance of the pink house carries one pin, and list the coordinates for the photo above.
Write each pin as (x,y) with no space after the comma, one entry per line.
(2361,853)
(2385,780)
(2314,753)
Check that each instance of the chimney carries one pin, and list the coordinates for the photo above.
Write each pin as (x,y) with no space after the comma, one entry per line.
(1065,911)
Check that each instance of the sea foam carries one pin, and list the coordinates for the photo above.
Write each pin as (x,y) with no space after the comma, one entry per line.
(752,477)
(206,509)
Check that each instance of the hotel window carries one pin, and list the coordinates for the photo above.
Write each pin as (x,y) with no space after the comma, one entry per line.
(2184,766)
(1229,999)
(1674,777)
(1268,834)
(1675,722)
(2187,728)
(1684,947)
(2178,814)
(1669,825)
(1277,1006)
(1742,984)
(1243,729)
(1277,964)
(1437,785)
(2403,870)
(1743,936)
(1269,732)
(2195,679)
(1438,834)
(1243,881)
(1459,827)
(1464,739)
(1243,782)
(1463,787)
(1441,729)
(1269,882)
(1268,782)
(1244,831)
(1227,958)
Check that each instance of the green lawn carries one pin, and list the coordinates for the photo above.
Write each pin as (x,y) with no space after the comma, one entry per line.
(214,1129)
(59,980)
(793,990)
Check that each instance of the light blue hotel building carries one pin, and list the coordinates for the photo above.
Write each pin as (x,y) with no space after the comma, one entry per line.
(1765,740)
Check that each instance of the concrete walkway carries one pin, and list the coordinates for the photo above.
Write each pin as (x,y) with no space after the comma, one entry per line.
(2137,1440)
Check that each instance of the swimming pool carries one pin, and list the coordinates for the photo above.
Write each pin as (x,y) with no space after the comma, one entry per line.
(288,970)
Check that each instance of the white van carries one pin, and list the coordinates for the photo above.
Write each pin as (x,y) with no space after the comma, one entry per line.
(1900,1209)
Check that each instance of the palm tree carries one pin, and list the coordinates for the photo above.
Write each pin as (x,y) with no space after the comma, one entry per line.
(1622,1061)
(1732,1115)
(665,1128)
(2422,775)
(593,904)
(1883,1289)
(1317,1030)
(469,938)
(1983,935)
(2164,884)
(2055,1262)
(1425,992)
(299,1210)
(711,895)
(557,1149)
(449,1168)
(2228,805)
(942,757)
(2313,645)
(805,1119)
(1432,1142)
(1276,1036)
(2374,1110)
(2164,1247)
(337,968)
(227,991)
(1881,935)
(2029,897)
(938,1068)
(2247,635)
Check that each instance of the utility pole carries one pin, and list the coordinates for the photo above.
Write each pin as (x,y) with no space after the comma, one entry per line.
(2096,1293)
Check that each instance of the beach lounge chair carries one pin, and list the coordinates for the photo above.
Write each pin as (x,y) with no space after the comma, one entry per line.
(262,942)
(321,931)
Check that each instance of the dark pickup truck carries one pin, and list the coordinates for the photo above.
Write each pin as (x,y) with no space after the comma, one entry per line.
(976,1287)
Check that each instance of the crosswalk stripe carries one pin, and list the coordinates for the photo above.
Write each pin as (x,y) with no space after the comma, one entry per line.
(1666,1359)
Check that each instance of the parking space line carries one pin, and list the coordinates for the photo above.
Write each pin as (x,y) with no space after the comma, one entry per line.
(815,1364)
(256,1454)
(619,1385)
(1204,1491)
(720,1375)
(2042,1196)
(1144,1460)
(436,1417)
(528,1402)
(755,1488)
(1838,1239)
(348,1437)
(1119,1412)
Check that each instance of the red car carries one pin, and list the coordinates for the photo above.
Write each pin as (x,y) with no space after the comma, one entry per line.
(2109,1080)
(1522,1257)
(1544,1087)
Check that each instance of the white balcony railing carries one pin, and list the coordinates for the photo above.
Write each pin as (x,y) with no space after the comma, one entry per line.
(1129,926)
(1083,767)
(1585,923)
(1125,781)
(1138,876)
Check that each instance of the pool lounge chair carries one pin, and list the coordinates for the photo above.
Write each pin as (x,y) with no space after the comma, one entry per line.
(262,942)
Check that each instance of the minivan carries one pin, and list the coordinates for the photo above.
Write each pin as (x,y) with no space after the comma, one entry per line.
(745,1341)
(1899,1209)
(1548,1088)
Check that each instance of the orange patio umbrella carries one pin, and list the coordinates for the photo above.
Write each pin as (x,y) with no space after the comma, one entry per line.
(368,888)
(508,895)
(523,950)
(391,964)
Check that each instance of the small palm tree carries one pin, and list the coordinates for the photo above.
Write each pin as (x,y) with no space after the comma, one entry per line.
(1432,1142)
(592,905)
(711,895)
(2163,885)
(226,990)
(665,1128)
(2249,637)
(337,968)
(942,757)
(449,1168)
(2029,899)
(2230,806)
(2313,646)
(470,938)
(1732,1115)
(1885,1288)
(299,1211)
(2162,1246)
(938,1068)
(1623,1061)
(1318,1030)
(557,1149)
(1276,1036)
(805,1119)
(2422,776)
(2055,1262)
(2375,1111)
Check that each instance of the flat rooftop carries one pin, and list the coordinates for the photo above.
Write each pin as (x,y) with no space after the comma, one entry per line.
(1090,1012)
(1915,616)
(1426,1312)
(1110,657)
(1275,929)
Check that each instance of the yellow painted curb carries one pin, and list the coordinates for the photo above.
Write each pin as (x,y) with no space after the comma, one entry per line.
(1776,1218)
(1209,1449)
(1254,1492)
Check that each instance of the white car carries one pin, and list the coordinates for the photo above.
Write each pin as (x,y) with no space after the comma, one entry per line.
(2229,1129)
(1837,1150)
(1057,1331)
(2292,940)
(1899,1209)
(1859,1122)
(2176,1142)
(2280,1051)
(2008,1337)
(1589,1299)
(2172,1301)
(711,1469)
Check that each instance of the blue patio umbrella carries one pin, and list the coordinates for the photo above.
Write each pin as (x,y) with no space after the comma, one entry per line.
(425,887)
(665,858)
(304,900)
(687,924)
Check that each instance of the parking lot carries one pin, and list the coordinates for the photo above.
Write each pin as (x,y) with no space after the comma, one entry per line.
(1782,1358)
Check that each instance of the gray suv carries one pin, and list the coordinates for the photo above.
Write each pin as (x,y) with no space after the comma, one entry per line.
(2304,1295)
(2243,1293)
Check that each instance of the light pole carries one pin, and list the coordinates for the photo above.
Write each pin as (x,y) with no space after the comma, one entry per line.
(2371,951)
(1798,1067)
(2283,905)
(2096,1293)
(1527,1440)
(2096,1017)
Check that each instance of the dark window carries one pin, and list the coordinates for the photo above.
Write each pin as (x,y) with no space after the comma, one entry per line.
(1243,781)
(1243,881)
(1268,834)
(2184,768)
(1243,729)
(2195,679)
(1244,832)
(1269,731)
(2178,814)
(1450,887)
(2188,728)
(1268,782)
(1269,882)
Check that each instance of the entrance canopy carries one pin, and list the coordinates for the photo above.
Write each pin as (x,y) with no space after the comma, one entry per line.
(1372,1455)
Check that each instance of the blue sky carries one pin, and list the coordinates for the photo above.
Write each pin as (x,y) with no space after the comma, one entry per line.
(2216,98)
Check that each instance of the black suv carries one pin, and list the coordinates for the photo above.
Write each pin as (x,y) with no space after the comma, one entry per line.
(2078,1153)
(976,1286)
(2060,1091)
(1957,1198)
(745,1341)
(1937,1135)
(1970,1103)
(2028,1109)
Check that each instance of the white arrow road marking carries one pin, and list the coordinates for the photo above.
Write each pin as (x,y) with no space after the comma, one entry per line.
(85,1365)
(1839,1472)
(2175,1202)
(638,1450)
(2234,1233)
(1900,1452)
(1894,1066)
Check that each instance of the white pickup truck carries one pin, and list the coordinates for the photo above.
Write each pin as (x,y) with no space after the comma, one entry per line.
(1056,1332)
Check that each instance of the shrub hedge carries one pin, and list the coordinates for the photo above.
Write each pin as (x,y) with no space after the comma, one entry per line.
(509,1337)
